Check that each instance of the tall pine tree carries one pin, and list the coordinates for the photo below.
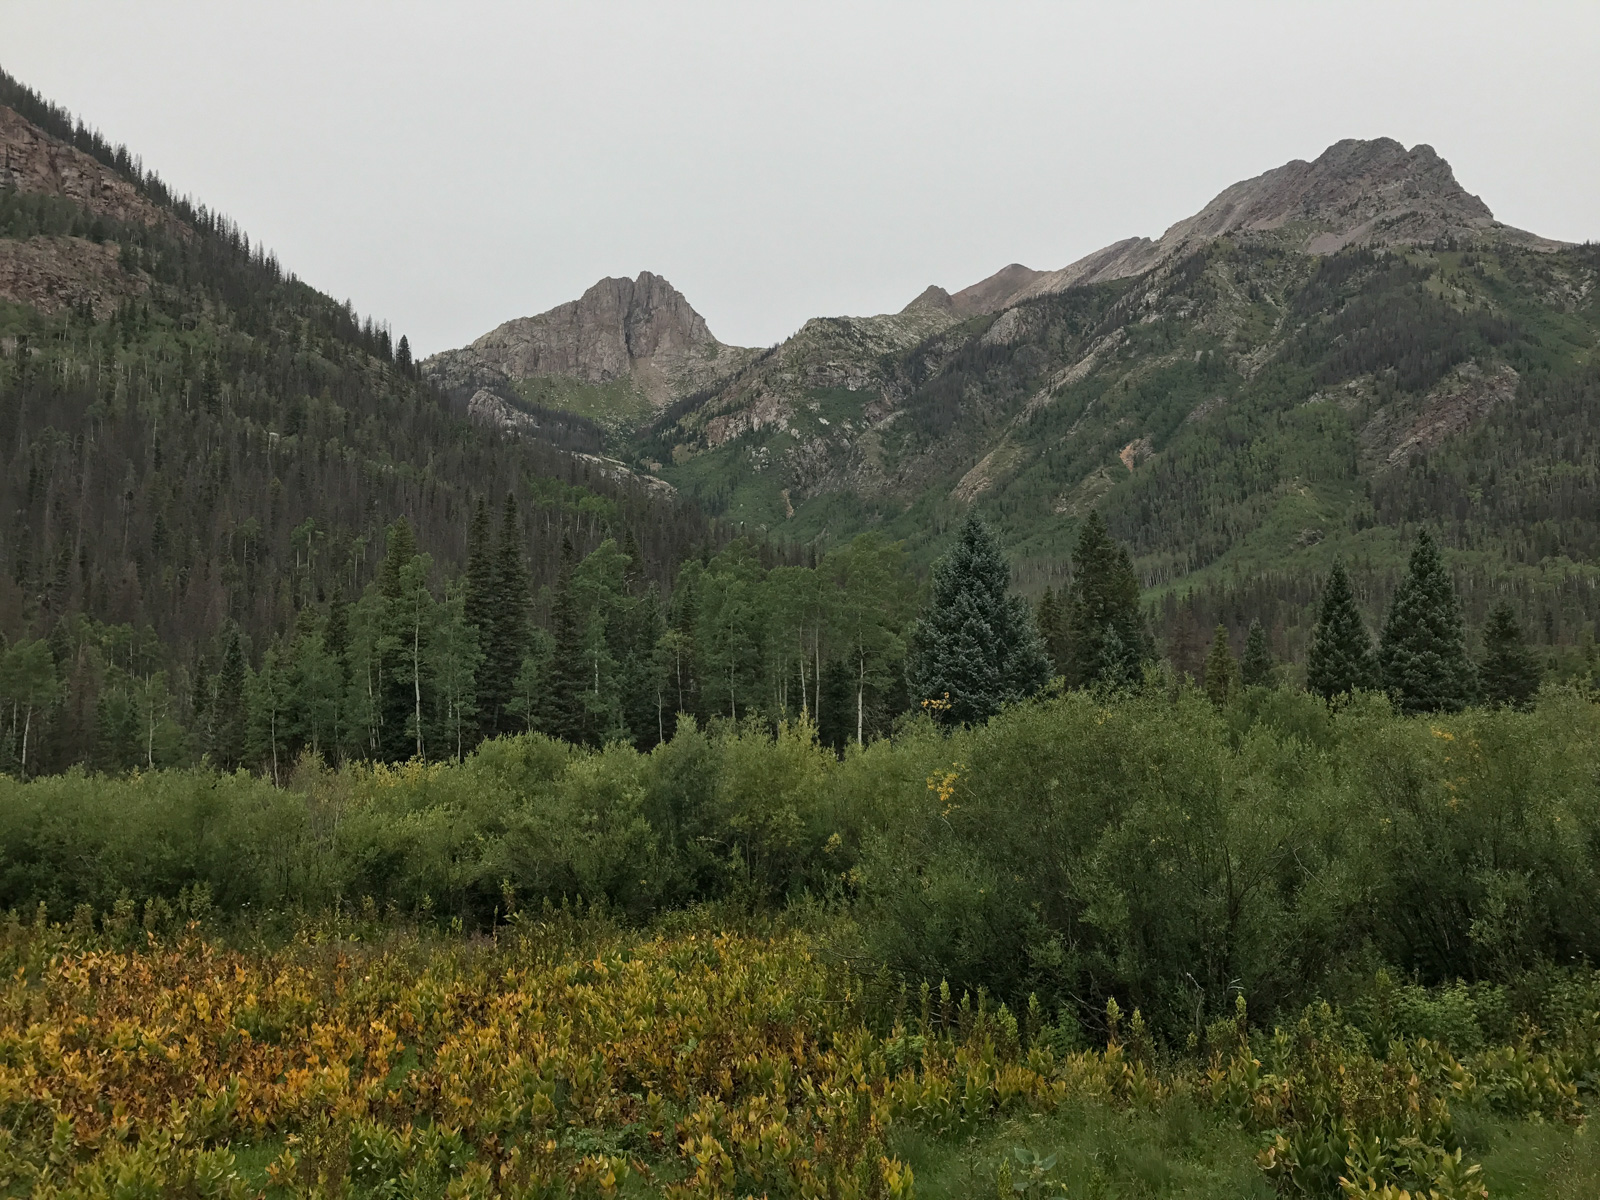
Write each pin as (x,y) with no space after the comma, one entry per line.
(1256,668)
(1340,659)
(477,609)
(1423,652)
(562,712)
(230,714)
(1108,643)
(976,648)
(1222,670)
(1509,675)
(503,633)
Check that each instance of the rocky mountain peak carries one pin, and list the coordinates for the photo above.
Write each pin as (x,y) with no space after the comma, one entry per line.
(1355,193)
(639,330)
(601,336)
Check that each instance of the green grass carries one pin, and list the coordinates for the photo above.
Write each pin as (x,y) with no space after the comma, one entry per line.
(1177,1152)
(1527,1161)
(618,405)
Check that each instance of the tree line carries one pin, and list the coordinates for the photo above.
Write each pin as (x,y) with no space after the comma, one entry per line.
(426,664)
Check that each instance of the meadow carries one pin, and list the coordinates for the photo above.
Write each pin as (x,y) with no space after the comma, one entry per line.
(1099,946)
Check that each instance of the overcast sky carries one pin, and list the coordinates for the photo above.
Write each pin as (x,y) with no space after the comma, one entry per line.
(450,166)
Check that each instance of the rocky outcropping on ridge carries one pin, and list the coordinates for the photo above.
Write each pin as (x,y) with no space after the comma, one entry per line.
(641,330)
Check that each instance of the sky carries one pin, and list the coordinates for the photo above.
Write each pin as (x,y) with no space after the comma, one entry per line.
(447,167)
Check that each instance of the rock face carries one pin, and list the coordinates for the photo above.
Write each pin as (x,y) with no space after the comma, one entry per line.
(34,163)
(641,330)
(52,273)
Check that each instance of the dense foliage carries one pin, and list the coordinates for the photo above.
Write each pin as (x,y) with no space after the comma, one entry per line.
(567,1057)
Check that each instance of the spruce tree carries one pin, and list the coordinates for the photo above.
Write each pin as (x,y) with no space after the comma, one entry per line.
(1257,668)
(1340,658)
(1051,618)
(1423,652)
(1509,674)
(562,712)
(976,648)
(230,713)
(1108,641)
(477,607)
(1222,671)
(479,593)
(504,636)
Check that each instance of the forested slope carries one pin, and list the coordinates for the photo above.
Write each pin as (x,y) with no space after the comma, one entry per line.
(194,442)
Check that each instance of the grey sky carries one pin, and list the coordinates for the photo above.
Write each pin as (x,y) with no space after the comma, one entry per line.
(449,166)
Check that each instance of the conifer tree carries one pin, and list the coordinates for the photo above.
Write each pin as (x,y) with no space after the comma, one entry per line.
(1509,674)
(402,355)
(1423,652)
(1340,658)
(504,634)
(478,596)
(561,707)
(1222,670)
(1051,618)
(976,647)
(477,607)
(1256,668)
(1106,631)
(229,710)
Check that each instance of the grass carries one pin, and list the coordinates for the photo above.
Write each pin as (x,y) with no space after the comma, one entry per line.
(1175,1152)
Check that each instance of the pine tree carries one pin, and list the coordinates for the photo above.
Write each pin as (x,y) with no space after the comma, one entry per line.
(1423,652)
(976,648)
(477,607)
(503,623)
(1051,618)
(1222,670)
(1109,643)
(1340,658)
(1257,668)
(1509,674)
(562,713)
(402,355)
(229,711)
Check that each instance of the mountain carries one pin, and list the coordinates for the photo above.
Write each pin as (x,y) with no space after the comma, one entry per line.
(1318,360)
(619,353)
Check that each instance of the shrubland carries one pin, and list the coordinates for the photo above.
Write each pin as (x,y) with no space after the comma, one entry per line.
(1150,847)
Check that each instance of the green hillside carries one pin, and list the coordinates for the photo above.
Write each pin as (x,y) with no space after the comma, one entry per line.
(1241,416)
(196,443)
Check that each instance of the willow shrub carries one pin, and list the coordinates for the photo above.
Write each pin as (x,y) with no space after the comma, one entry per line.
(1152,849)
(1163,852)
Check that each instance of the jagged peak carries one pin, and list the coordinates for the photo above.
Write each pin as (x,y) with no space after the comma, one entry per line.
(1368,192)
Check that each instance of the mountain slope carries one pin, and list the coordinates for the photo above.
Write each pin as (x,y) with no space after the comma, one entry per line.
(1320,358)
(190,436)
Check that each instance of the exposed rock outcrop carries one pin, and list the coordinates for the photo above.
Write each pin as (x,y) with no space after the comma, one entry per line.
(34,163)
(1356,193)
(52,273)
(642,330)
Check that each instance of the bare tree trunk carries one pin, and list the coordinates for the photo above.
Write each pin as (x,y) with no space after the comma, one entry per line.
(27,724)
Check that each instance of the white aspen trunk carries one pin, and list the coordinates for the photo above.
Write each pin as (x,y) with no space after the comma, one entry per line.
(861,692)
(27,724)
(416,674)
